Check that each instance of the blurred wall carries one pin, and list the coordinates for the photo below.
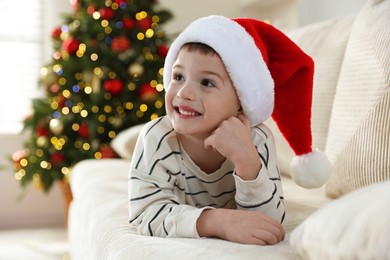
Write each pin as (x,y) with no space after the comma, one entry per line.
(37,209)
(282,12)
(317,10)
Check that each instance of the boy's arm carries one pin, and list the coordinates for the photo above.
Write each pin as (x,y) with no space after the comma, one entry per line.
(241,226)
(265,192)
(156,211)
(258,184)
(260,206)
(154,206)
(259,193)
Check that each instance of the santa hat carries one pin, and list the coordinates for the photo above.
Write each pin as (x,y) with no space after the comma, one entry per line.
(272,76)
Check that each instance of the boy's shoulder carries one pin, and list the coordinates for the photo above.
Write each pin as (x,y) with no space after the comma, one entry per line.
(157,126)
(262,133)
(157,142)
(157,130)
(262,128)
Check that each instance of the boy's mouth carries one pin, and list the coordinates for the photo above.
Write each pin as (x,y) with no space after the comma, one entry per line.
(185,111)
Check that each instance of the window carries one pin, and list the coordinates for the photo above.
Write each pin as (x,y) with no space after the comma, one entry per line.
(21,30)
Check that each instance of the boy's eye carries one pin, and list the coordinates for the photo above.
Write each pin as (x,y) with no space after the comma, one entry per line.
(178,77)
(207,83)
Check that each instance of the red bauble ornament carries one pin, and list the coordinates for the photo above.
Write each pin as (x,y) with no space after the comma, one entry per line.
(119,1)
(56,33)
(120,44)
(162,50)
(74,4)
(147,93)
(16,157)
(42,131)
(128,23)
(145,23)
(113,86)
(106,13)
(61,101)
(54,88)
(107,152)
(42,128)
(91,9)
(83,130)
(57,159)
(70,45)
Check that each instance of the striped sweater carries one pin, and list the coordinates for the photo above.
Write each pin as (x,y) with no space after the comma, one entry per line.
(168,191)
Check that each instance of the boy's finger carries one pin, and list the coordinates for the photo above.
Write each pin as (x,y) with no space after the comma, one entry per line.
(208,142)
(244,120)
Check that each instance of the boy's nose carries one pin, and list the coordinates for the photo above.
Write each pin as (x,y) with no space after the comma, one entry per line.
(186,91)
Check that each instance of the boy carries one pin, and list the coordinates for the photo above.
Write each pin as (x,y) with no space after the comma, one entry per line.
(208,168)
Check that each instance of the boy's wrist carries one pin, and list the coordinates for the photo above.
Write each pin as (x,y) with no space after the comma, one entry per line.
(209,223)
(249,168)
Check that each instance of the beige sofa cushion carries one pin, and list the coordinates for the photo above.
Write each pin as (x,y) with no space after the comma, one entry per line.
(359,134)
(360,232)
(325,42)
(124,143)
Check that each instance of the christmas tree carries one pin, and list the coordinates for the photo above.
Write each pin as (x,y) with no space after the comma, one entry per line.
(105,76)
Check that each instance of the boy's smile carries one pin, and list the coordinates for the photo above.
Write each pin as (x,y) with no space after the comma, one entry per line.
(200,95)
(187,112)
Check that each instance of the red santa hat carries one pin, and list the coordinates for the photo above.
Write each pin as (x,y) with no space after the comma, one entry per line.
(272,77)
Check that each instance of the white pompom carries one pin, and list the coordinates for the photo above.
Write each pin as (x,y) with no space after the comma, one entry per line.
(311,170)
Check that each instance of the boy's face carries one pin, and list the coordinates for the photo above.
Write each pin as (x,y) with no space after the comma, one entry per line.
(200,95)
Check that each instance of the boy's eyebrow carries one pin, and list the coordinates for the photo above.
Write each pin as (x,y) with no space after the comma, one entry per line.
(177,65)
(212,73)
(203,71)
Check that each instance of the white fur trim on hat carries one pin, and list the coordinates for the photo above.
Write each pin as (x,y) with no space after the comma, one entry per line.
(310,170)
(243,60)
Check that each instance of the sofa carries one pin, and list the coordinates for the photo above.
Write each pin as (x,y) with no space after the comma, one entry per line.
(347,218)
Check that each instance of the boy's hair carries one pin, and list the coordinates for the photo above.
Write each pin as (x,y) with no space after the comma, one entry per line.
(200,47)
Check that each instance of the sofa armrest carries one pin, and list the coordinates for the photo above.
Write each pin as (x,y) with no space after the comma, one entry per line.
(89,175)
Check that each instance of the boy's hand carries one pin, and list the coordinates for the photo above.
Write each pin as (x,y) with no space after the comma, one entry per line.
(241,226)
(233,139)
